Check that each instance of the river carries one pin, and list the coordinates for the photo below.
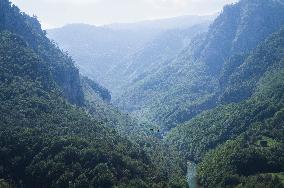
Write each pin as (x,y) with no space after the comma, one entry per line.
(191,174)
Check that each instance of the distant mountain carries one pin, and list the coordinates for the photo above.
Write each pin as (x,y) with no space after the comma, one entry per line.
(181,22)
(97,50)
(110,54)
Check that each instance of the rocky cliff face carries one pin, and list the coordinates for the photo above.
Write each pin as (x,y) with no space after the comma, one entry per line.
(69,81)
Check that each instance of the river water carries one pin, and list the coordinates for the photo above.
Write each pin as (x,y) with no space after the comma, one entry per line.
(191,174)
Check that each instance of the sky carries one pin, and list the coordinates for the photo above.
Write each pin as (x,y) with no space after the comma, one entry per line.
(56,13)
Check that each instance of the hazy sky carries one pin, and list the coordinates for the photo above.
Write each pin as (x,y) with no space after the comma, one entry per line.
(54,13)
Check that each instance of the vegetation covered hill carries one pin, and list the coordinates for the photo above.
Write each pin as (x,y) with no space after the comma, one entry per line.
(240,143)
(44,140)
(64,72)
(254,157)
(47,139)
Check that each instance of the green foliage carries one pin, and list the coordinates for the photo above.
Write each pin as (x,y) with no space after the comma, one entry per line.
(274,180)
(243,160)
(166,160)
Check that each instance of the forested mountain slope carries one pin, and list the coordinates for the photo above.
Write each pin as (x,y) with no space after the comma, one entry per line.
(191,83)
(64,72)
(158,52)
(246,137)
(46,140)
(165,157)
(97,103)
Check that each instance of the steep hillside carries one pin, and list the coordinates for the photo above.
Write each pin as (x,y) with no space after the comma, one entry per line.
(159,51)
(163,156)
(190,83)
(46,141)
(255,157)
(97,103)
(63,70)
(254,126)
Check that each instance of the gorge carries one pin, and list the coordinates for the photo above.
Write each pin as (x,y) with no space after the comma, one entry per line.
(181,102)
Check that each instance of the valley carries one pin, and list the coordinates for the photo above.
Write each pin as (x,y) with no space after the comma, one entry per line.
(190,101)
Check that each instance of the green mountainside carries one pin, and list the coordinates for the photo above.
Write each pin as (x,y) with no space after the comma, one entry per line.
(244,139)
(190,84)
(63,70)
(163,156)
(48,138)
